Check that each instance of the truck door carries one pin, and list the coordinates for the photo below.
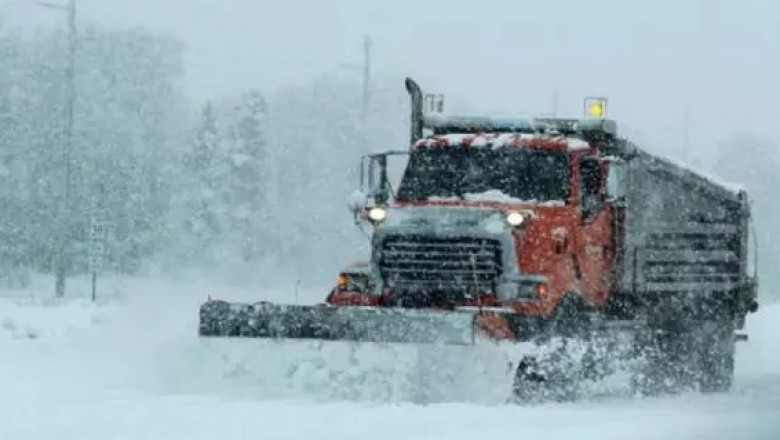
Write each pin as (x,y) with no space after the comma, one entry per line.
(594,253)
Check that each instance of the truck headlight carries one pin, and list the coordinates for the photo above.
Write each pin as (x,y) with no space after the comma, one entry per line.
(377,214)
(515,218)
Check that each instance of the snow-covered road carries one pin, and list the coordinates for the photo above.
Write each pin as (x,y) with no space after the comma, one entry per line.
(132,369)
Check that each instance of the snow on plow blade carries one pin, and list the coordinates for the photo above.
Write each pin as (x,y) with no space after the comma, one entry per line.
(361,324)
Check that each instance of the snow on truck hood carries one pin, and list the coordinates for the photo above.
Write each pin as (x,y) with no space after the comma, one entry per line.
(496,196)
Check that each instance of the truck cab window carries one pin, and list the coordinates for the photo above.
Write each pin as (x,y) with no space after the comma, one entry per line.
(590,187)
(534,176)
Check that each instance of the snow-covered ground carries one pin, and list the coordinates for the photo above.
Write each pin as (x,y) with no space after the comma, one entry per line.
(131,367)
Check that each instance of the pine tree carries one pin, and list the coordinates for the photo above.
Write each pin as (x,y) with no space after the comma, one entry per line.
(202,223)
(248,178)
(226,211)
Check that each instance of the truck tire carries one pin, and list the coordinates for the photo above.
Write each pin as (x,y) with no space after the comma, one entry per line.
(557,375)
(529,381)
(539,380)
(699,357)
(647,378)
(717,374)
(716,357)
(663,363)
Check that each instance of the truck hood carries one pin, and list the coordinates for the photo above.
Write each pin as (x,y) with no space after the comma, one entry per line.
(446,219)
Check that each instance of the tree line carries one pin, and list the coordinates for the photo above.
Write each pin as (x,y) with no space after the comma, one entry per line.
(246,180)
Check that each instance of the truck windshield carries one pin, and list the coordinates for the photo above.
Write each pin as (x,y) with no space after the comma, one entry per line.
(521,174)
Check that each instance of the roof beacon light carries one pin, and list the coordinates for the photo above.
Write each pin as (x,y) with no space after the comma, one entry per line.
(596,108)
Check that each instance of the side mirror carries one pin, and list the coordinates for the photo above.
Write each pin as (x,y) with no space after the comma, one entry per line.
(616,179)
(377,179)
(358,202)
(373,179)
(376,188)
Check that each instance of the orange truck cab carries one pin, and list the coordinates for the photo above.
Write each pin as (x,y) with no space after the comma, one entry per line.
(510,219)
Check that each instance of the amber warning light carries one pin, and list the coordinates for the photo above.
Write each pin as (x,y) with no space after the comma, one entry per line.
(596,107)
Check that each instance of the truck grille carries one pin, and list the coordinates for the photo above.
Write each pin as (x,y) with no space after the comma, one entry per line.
(424,263)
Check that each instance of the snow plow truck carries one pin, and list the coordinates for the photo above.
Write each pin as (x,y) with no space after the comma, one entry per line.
(538,230)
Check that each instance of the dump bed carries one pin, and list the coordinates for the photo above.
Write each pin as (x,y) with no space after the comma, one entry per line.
(681,231)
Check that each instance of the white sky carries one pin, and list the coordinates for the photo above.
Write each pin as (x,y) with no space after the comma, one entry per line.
(652,59)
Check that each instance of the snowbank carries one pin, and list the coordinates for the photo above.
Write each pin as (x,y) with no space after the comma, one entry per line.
(129,369)
(35,319)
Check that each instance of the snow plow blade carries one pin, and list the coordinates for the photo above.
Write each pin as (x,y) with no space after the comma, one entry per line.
(360,324)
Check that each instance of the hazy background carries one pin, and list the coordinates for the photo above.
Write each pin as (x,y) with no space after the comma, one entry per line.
(653,60)
(692,79)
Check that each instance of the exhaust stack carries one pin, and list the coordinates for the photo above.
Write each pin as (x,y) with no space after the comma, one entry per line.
(415,93)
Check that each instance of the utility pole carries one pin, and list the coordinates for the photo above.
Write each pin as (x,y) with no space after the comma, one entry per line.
(686,134)
(366,74)
(64,223)
(555,102)
(366,71)
(362,124)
